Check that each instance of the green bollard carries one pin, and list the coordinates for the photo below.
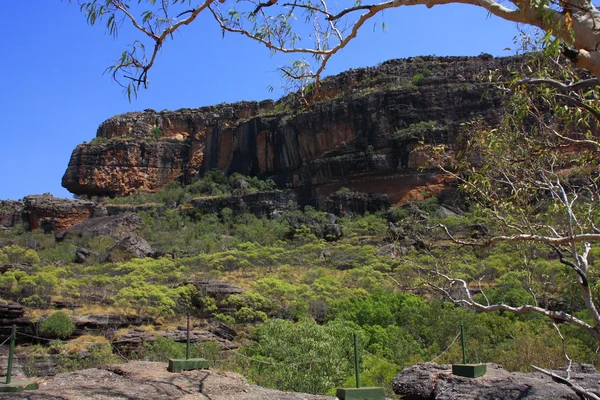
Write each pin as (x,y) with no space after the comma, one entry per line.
(464,369)
(356,368)
(464,348)
(11,352)
(358,393)
(187,344)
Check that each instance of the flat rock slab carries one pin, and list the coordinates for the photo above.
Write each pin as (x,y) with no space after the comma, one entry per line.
(435,381)
(143,380)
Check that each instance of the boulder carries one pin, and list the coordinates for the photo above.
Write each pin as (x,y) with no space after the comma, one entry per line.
(132,340)
(95,323)
(333,232)
(82,255)
(445,212)
(117,226)
(13,314)
(389,250)
(225,332)
(130,247)
(436,382)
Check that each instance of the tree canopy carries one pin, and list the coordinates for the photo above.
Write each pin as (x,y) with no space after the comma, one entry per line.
(316,30)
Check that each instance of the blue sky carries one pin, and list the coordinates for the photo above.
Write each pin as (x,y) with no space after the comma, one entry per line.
(53,93)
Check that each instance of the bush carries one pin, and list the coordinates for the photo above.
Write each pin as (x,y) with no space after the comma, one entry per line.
(58,325)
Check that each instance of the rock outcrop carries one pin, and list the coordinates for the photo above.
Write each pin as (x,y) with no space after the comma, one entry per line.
(361,133)
(342,203)
(52,214)
(261,204)
(327,230)
(436,382)
(10,213)
(117,226)
(125,166)
(13,314)
(130,247)
(151,380)
(133,340)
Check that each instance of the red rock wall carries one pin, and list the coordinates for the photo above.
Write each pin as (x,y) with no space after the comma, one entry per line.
(342,138)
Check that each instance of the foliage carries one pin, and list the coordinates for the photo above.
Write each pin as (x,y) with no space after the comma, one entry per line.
(535,176)
(84,352)
(416,131)
(58,325)
(15,254)
(302,357)
(337,284)
(156,132)
(162,349)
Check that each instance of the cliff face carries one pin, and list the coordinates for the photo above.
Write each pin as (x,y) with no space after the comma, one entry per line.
(362,132)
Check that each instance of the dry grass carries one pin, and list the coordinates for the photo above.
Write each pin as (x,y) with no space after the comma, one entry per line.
(83,342)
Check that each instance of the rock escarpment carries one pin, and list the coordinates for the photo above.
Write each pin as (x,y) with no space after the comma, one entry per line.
(361,133)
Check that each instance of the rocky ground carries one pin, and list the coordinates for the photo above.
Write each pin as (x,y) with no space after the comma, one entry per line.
(150,380)
(436,382)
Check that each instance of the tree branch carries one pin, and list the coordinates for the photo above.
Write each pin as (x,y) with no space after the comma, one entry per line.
(469,302)
(579,85)
(576,388)
(557,241)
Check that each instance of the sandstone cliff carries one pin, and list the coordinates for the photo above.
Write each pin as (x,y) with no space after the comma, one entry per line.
(360,134)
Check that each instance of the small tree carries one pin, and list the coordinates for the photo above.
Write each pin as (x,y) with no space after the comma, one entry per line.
(58,325)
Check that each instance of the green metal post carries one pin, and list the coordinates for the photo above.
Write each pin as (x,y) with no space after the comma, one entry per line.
(11,352)
(187,345)
(356,369)
(464,349)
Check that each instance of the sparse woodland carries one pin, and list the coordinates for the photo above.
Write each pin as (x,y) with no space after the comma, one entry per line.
(517,264)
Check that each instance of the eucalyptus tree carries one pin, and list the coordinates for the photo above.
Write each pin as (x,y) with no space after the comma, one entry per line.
(536,175)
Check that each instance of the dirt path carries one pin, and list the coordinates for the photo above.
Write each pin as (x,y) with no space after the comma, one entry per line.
(151,380)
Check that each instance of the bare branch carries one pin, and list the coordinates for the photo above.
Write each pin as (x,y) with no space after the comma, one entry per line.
(564,347)
(265,4)
(576,388)
(581,273)
(579,85)
(557,241)
(122,8)
(467,300)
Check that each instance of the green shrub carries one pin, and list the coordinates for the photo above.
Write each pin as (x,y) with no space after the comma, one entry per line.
(157,132)
(58,325)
